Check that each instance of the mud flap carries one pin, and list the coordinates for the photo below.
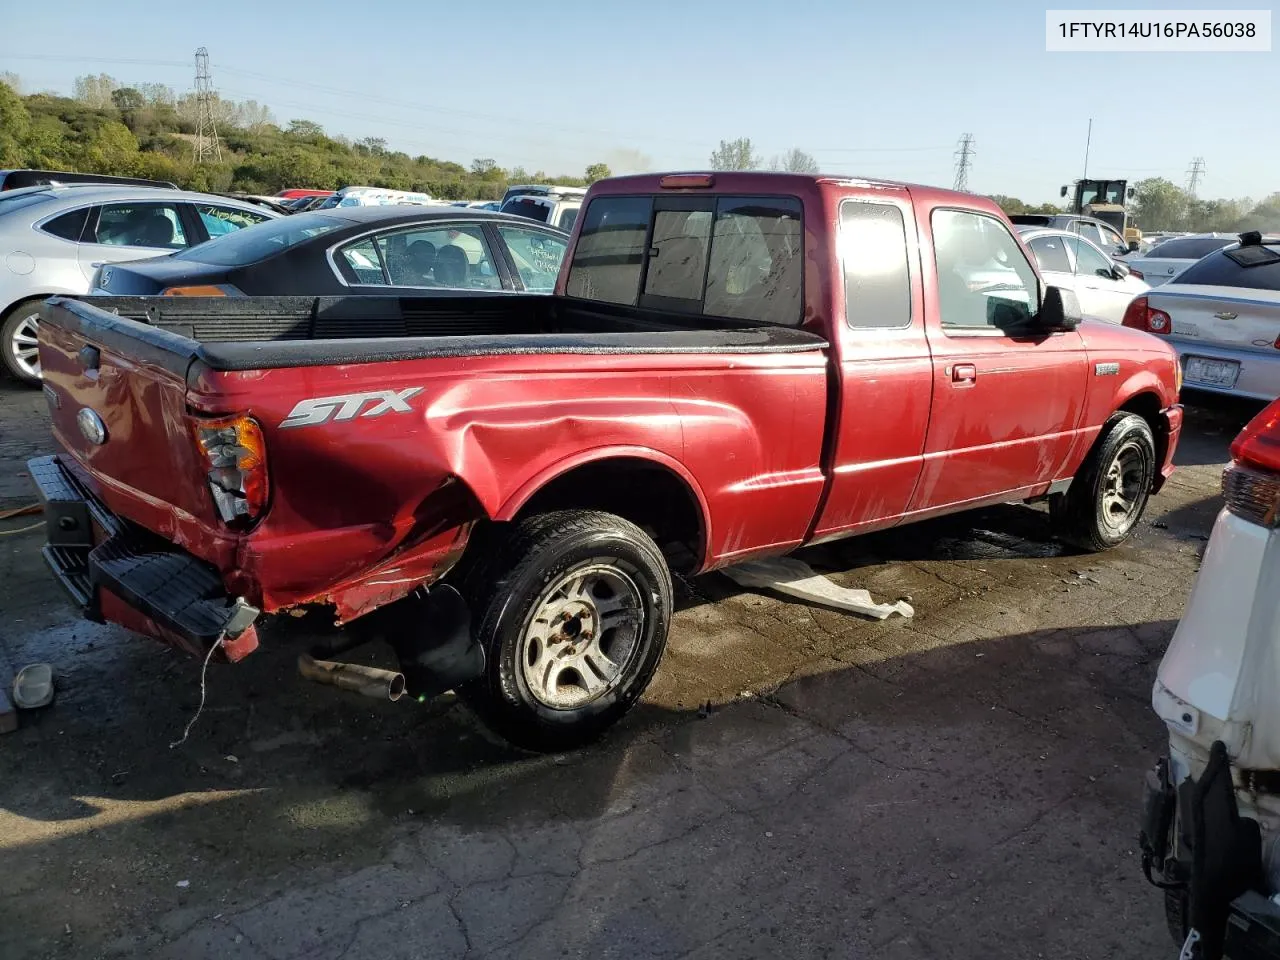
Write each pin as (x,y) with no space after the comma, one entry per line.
(1159,803)
(433,642)
(1226,855)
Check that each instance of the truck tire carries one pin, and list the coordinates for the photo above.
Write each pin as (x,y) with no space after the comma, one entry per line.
(572,609)
(1110,492)
(17,333)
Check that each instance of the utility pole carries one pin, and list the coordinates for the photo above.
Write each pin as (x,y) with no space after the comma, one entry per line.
(1194,175)
(964,160)
(207,146)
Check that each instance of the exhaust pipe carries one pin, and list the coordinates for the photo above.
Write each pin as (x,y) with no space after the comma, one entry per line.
(366,681)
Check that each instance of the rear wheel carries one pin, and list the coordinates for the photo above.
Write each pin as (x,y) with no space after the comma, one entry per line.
(573,609)
(1110,492)
(19,346)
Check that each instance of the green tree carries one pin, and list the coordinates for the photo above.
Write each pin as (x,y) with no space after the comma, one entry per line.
(1159,204)
(113,150)
(127,99)
(1010,205)
(11,80)
(305,130)
(483,166)
(597,171)
(95,91)
(735,155)
(795,161)
(15,127)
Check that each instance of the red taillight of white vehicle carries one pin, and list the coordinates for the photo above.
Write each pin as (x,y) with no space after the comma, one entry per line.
(1136,273)
(1142,316)
(237,457)
(1251,485)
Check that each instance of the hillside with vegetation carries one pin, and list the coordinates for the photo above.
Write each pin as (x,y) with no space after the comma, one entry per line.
(148,131)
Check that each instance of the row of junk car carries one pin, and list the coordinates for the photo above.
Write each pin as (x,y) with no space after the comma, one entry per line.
(1210,825)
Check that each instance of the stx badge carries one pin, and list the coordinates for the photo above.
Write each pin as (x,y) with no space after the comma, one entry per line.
(310,413)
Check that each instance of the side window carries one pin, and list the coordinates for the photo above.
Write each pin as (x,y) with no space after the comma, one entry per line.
(984,279)
(69,226)
(221,220)
(1090,232)
(1051,254)
(568,217)
(154,225)
(453,257)
(1090,262)
(609,254)
(362,258)
(537,256)
(873,251)
(1112,240)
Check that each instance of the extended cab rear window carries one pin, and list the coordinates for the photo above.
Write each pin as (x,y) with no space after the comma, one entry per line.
(737,257)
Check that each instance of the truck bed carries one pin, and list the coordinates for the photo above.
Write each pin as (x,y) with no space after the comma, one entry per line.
(258,333)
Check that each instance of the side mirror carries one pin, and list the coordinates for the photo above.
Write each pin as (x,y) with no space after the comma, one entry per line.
(1120,270)
(1060,311)
(1063,192)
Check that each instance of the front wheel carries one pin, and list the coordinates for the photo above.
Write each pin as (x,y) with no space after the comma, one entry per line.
(1110,492)
(573,609)
(19,344)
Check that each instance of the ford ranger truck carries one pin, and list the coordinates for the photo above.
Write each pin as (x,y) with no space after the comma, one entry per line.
(733,365)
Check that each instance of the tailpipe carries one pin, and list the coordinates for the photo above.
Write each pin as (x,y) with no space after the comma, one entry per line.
(366,681)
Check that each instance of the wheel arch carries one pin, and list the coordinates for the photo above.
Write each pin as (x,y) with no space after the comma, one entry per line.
(651,489)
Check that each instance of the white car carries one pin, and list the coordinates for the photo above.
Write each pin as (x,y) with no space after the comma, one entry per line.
(1222,314)
(53,238)
(1104,287)
(1216,691)
(1166,259)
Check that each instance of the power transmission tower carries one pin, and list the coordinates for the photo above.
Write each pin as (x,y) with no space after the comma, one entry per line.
(1194,174)
(964,160)
(207,146)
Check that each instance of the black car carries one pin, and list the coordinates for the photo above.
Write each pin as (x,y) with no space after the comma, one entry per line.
(352,250)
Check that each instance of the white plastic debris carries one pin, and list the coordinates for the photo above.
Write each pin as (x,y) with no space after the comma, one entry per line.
(183,884)
(794,578)
(33,686)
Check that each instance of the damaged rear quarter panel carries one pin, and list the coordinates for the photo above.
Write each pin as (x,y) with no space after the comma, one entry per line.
(363,509)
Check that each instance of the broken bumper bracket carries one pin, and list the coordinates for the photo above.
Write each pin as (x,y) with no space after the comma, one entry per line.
(174,596)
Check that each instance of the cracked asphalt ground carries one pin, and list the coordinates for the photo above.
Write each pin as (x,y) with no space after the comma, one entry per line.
(965,784)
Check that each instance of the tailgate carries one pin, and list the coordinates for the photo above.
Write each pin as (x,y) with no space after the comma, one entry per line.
(1234,317)
(117,399)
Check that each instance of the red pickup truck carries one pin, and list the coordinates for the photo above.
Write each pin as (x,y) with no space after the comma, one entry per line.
(733,365)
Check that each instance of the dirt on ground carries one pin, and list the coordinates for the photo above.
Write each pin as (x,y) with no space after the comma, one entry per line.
(797,783)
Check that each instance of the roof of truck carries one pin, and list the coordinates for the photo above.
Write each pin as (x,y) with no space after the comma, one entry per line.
(755,181)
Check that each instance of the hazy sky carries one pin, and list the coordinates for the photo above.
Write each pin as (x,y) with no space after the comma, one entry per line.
(877,89)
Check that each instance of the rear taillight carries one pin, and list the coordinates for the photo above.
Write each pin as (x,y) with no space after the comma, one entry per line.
(1136,273)
(1142,316)
(1251,485)
(237,459)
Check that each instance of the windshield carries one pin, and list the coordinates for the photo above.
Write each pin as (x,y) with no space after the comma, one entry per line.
(261,241)
(1188,248)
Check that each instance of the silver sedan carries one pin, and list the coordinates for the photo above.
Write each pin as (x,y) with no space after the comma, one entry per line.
(53,238)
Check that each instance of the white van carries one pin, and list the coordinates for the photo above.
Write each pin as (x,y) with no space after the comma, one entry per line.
(558,207)
(377,197)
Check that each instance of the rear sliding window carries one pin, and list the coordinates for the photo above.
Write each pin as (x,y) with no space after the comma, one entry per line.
(737,257)
(1219,270)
